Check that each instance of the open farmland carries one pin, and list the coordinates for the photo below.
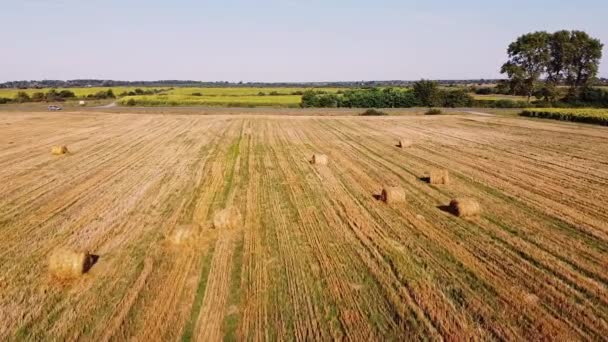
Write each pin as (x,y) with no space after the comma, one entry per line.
(79,92)
(213,100)
(227,97)
(316,256)
(497,97)
(191,96)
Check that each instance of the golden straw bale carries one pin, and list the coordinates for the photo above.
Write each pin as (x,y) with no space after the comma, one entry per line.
(65,263)
(58,150)
(404,143)
(464,207)
(393,194)
(320,159)
(439,177)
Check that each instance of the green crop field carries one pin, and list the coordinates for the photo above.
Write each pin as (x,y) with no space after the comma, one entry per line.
(496,97)
(212,100)
(79,92)
(192,96)
(586,115)
(231,97)
(249,91)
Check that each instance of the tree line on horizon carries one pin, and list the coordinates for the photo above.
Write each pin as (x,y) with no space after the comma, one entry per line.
(39,84)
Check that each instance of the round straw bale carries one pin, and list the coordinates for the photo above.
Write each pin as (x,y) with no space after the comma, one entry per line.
(58,150)
(227,218)
(464,207)
(393,194)
(184,234)
(320,159)
(404,143)
(439,177)
(65,263)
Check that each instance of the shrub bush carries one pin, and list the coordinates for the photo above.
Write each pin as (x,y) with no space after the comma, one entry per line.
(505,103)
(433,111)
(455,98)
(65,94)
(361,98)
(484,91)
(22,97)
(595,96)
(38,97)
(373,112)
(105,94)
(427,93)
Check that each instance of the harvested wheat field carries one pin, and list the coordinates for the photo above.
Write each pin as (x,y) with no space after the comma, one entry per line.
(310,253)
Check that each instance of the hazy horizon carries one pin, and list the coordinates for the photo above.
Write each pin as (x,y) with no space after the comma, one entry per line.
(274,41)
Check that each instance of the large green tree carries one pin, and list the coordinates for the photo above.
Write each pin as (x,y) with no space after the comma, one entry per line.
(583,61)
(528,58)
(562,58)
(21,97)
(561,50)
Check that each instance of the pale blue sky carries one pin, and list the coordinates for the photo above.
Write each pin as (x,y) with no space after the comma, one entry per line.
(272,40)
